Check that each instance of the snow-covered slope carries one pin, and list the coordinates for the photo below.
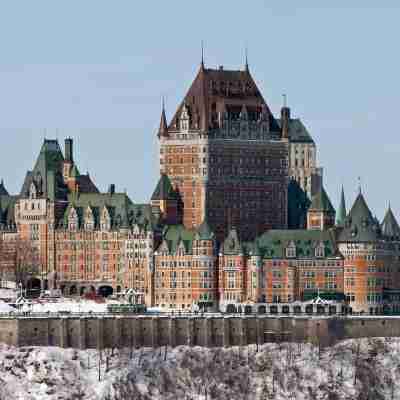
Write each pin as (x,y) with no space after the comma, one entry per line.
(355,369)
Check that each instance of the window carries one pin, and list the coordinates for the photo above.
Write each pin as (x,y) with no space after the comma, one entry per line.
(291,252)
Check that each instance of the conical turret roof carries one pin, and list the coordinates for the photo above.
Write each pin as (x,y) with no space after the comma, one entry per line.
(204,231)
(360,225)
(390,227)
(3,190)
(321,202)
(163,129)
(341,213)
(164,189)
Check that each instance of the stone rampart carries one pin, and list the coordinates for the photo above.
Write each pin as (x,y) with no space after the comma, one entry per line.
(216,331)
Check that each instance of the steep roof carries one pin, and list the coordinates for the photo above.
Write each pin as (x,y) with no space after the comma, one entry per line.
(321,202)
(360,225)
(3,190)
(163,129)
(164,189)
(86,184)
(175,234)
(341,214)
(232,244)
(298,133)
(122,210)
(273,243)
(223,89)
(7,210)
(47,172)
(390,227)
(204,231)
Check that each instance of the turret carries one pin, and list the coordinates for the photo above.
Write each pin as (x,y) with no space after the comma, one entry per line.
(321,214)
(163,129)
(341,214)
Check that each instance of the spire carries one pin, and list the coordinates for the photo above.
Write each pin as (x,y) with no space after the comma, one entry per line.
(341,214)
(246,65)
(3,190)
(163,129)
(390,227)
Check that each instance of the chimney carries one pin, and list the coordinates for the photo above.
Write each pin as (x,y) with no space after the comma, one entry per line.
(69,150)
(111,189)
(285,120)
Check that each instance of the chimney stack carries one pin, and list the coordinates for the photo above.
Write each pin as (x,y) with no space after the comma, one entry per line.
(111,189)
(69,150)
(285,121)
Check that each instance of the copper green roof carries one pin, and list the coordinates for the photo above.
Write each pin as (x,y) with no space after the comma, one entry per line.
(232,244)
(298,133)
(47,172)
(360,225)
(390,227)
(204,231)
(273,244)
(7,210)
(123,212)
(321,202)
(74,172)
(175,234)
(164,189)
(341,214)
(3,190)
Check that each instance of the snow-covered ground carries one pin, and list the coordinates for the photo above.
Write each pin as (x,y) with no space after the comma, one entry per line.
(352,370)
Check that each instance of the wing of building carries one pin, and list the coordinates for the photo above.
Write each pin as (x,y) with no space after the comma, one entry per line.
(239,215)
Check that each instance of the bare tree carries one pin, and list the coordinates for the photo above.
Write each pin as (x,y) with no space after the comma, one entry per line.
(26,261)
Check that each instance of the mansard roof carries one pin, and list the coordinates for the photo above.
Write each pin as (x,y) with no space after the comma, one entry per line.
(164,189)
(273,244)
(173,235)
(321,202)
(390,227)
(3,190)
(123,212)
(360,225)
(223,89)
(298,133)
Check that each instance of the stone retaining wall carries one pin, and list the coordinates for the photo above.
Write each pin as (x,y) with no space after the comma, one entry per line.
(155,331)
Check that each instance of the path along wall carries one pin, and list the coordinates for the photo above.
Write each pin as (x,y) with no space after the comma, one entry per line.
(140,331)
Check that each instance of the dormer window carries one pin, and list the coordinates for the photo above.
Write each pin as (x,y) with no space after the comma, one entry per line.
(291,251)
(320,251)
(73,220)
(32,191)
(184,119)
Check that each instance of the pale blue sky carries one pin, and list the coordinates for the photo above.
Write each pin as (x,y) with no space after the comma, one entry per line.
(96,70)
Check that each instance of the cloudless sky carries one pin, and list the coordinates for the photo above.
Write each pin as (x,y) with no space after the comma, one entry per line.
(96,71)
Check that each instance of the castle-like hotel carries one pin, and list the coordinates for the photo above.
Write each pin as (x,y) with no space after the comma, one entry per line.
(239,215)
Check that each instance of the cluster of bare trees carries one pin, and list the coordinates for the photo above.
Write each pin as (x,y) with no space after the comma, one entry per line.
(19,261)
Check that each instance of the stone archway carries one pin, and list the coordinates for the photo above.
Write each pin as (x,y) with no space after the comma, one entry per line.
(73,291)
(82,290)
(105,290)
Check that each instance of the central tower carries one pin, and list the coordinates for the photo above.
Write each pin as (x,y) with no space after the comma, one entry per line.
(226,155)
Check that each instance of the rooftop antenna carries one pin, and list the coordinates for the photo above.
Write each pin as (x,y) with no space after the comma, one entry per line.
(202,54)
(284,97)
(246,59)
